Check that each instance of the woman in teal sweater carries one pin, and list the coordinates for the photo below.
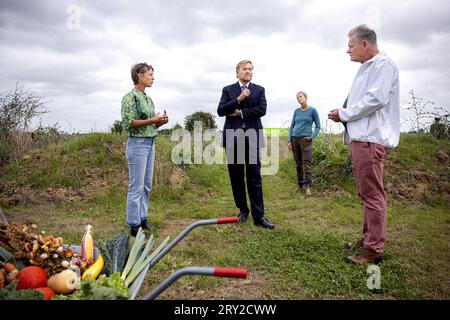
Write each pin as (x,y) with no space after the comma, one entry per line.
(300,140)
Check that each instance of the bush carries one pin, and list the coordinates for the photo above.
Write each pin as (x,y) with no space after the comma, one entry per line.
(418,114)
(206,118)
(117,127)
(331,163)
(18,108)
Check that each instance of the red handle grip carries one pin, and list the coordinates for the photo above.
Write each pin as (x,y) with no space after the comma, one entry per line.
(227,220)
(230,272)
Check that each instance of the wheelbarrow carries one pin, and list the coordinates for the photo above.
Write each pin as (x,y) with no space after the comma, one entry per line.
(205,271)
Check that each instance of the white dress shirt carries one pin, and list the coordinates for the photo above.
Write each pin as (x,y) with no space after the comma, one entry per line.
(373,106)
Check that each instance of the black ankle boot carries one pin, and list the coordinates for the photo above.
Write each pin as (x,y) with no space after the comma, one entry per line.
(134,231)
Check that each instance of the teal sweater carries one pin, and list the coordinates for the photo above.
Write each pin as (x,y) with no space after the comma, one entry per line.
(301,125)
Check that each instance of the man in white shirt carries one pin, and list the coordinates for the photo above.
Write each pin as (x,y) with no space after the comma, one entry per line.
(371,116)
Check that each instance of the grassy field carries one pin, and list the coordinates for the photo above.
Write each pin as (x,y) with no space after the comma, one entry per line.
(84,180)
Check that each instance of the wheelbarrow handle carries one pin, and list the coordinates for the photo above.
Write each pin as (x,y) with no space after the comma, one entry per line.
(189,229)
(137,283)
(227,220)
(230,272)
(203,271)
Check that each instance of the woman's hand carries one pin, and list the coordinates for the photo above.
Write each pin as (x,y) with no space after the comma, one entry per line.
(290,146)
(159,120)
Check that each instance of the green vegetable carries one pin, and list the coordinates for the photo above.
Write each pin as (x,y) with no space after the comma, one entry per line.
(104,288)
(115,252)
(10,293)
(121,251)
(139,256)
(5,255)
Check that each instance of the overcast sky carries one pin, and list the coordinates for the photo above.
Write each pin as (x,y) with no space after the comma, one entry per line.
(77,54)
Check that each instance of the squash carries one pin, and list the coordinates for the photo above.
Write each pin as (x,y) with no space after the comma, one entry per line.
(64,282)
(93,271)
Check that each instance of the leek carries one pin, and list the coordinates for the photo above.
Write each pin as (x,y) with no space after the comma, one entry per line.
(134,253)
(143,260)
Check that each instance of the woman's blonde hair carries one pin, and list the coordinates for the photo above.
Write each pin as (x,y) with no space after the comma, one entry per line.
(303,93)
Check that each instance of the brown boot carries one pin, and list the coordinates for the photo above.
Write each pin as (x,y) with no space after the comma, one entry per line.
(356,246)
(365,256)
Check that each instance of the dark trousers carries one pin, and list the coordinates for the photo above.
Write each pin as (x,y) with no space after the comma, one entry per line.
(302,151)
(250,171)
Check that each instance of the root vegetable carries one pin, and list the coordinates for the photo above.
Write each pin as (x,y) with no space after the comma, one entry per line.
(12,276)
(2,280)
(9,267)
(49,238)
(35,247)
(28,247)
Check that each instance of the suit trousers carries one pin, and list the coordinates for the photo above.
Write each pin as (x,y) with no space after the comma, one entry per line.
(246,167)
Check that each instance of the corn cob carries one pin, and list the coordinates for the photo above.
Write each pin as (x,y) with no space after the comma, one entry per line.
(87,245)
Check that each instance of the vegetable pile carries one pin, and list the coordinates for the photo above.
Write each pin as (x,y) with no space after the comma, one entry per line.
(34,266)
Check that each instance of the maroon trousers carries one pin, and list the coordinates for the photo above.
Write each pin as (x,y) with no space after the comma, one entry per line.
(368,162)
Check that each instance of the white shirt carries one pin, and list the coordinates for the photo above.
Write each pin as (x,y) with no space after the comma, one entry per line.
(245,85)
(373,105)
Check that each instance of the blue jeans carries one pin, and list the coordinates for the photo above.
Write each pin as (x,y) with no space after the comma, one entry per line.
(140,154)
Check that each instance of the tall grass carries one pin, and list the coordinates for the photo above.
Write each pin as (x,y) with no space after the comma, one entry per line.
(302,258)
(331,163)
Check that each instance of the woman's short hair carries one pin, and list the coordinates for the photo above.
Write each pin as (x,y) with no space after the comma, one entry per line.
(303,93)
(242,63)
(137,68)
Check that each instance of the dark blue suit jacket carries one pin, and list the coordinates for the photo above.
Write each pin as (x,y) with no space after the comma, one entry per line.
(252,108)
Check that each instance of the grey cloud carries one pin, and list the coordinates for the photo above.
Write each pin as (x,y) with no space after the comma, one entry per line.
(179,23)
(65,65)
(413,23)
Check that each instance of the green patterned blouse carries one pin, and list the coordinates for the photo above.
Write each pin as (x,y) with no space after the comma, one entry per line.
(137,105)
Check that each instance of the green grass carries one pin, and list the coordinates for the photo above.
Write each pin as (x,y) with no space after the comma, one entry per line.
(303,258)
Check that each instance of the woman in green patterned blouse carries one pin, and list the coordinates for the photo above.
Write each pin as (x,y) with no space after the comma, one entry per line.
(140,123)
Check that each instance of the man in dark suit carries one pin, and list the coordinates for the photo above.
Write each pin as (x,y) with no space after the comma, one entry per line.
(244,103)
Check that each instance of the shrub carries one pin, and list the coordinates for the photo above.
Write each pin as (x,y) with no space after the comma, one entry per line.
(117,127)
(18,108)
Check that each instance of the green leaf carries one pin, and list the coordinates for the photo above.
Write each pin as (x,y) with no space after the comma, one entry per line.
(11,293)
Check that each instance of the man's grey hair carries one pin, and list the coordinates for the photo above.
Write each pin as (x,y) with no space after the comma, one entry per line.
(364,32)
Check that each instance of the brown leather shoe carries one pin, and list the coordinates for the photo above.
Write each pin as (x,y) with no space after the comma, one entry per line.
(365,256)
(357,246)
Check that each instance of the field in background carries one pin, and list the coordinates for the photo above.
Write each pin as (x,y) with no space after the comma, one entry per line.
(83,180)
